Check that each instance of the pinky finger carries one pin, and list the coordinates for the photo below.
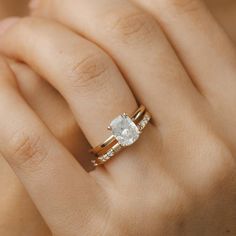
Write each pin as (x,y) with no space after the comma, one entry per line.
(56,183)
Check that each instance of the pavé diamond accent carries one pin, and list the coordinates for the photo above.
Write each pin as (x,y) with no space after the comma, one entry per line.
(143,123)
(124,130)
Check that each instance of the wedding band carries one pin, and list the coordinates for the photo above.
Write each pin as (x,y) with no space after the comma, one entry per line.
(125,132)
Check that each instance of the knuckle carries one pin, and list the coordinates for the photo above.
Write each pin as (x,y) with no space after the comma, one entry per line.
(89,72)
(26,151)
(132,26)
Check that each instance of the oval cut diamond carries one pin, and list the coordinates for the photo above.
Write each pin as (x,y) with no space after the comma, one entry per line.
(124,130)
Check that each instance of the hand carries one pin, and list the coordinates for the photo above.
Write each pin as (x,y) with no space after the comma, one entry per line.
(180,177)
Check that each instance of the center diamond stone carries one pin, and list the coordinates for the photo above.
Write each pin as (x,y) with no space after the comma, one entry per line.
(124,130)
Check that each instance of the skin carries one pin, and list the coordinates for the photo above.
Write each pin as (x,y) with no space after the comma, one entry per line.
(14,220)
(179,179)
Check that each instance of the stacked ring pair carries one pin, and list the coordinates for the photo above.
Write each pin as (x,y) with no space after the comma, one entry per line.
(125,132)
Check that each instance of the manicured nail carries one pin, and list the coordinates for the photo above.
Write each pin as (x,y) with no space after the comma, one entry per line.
(7,23)
(33,4)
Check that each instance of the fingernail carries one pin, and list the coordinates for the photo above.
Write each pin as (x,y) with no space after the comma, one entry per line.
(7,23)
(33,4)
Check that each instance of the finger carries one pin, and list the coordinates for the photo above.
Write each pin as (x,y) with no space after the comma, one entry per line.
(139,47)
(59,187)
(88,79)
(52,109)
(203,46)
